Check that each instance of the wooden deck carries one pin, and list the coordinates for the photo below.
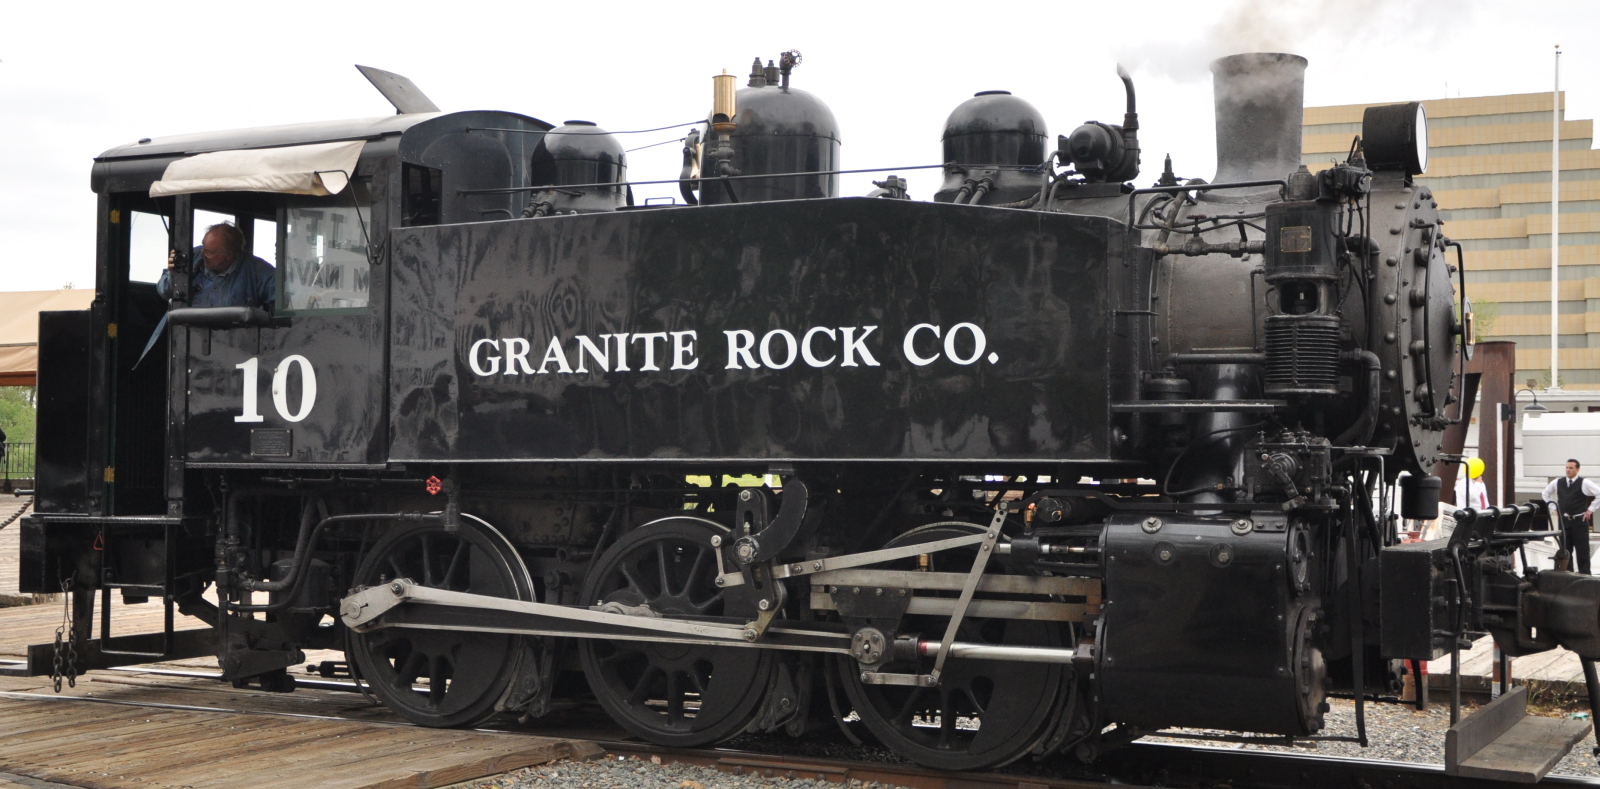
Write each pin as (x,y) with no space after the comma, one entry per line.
(94,743)
(139,728)
(1551,677)
(143,729)
(9,549)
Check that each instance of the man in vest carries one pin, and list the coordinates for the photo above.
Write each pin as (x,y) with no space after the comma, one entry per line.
(1576,499)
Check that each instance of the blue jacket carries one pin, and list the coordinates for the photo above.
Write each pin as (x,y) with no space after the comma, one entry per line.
(249,282)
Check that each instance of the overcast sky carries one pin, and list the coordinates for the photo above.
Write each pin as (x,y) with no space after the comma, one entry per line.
(77,79)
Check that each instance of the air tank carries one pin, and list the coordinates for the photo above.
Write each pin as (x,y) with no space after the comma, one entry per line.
(572,154)
(987,139)
(779,129)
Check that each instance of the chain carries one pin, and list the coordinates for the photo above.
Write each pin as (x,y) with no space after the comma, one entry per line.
(65,662)
(15,515)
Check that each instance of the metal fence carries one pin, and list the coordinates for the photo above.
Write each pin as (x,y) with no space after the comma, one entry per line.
(17,464)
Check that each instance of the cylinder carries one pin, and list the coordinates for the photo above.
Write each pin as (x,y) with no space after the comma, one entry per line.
(1419,497)
(1259,100)
(1302,242)
(724,98)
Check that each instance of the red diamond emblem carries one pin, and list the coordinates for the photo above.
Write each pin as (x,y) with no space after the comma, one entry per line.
(434,486)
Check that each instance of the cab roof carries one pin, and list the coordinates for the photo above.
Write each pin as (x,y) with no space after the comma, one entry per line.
(267,136)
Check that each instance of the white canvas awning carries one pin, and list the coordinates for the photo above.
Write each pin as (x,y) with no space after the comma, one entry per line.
(19,329)
(320,169)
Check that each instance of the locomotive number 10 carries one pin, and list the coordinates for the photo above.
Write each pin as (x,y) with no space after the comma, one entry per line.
(251,409)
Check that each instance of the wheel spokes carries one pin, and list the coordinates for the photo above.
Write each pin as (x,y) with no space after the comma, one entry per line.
(662,691)
(674,697)
(983,714)
(627,571)
(909,707)
(661,569)
(438,680)
(456,563)
(410,669)
(641,687)
(427,561)
(441,677)
(947,719)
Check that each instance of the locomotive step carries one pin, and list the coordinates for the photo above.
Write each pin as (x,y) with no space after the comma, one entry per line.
(1501,742)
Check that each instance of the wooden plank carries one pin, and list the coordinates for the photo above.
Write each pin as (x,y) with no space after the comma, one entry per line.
(1478,663)
(1527,752)
(12,781)
(254,744)
(448,774)
(1564,666)
(443,765)
(1477,730)
(163,758)
(1530,665)
(93,745)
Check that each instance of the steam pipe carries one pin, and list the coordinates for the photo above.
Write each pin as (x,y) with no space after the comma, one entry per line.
(303,558)
(984,185)
(691,163)
(963,192)
(1130,120)
(1363,427)
(307,520)
(1216,358)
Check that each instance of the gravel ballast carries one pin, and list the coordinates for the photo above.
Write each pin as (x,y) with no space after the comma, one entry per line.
(1399,733)
(1395,732)
(637,773)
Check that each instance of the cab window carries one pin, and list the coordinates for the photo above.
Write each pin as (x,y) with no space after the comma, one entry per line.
(147,246)
(322,249)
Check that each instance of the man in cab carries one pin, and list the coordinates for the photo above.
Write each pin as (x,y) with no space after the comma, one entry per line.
(229,277)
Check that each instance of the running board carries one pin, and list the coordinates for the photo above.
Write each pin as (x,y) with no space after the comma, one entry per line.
(1502,742)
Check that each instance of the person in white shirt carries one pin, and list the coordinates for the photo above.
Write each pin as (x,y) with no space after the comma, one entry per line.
(1575,500)
(1471,493)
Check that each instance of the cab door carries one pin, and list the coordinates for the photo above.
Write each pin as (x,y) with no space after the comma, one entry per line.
(306,388)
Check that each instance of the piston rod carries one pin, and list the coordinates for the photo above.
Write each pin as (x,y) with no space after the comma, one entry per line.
(965,651)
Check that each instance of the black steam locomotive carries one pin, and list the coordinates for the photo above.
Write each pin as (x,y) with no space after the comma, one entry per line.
(1048,463)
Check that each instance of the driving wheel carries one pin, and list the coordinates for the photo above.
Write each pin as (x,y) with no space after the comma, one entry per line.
(679,695)
(442,678)
(984,712)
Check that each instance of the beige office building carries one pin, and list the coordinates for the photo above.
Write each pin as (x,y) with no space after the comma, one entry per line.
(1489,165)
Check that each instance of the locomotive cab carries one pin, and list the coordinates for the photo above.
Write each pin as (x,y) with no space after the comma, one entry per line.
(141,396)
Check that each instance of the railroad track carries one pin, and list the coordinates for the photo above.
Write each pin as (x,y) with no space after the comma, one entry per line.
(1140,764)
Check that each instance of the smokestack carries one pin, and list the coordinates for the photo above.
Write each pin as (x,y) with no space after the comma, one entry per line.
(1259,102)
